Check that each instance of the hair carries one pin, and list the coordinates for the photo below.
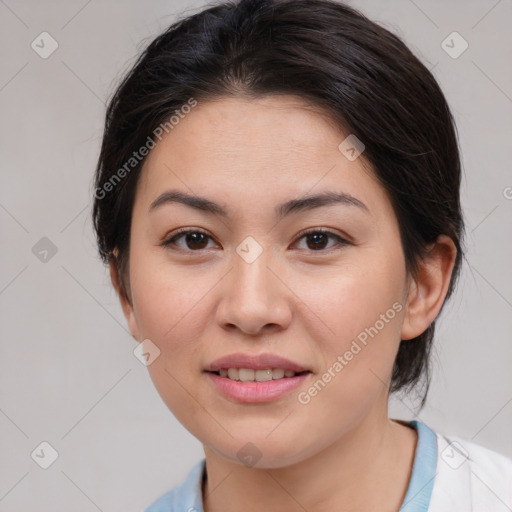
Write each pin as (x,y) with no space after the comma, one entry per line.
(360,74)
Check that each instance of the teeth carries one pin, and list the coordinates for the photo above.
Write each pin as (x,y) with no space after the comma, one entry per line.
(246,375)
(233,373)
(263,375)
(250,375)
(277,373)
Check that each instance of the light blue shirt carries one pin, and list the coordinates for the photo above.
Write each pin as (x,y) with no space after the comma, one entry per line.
(187,496)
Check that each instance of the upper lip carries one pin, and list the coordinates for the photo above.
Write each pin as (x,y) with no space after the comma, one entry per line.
(255,362)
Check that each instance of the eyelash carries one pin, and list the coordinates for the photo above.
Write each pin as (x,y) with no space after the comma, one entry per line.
(184,231)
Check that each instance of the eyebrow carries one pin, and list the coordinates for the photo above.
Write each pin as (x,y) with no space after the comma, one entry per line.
(292,206)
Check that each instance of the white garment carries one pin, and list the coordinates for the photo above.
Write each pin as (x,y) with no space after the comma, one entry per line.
(470,478)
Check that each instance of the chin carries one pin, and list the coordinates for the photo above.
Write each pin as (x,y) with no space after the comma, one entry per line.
(260,453)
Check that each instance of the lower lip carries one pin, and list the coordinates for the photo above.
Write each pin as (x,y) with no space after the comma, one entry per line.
(251,392)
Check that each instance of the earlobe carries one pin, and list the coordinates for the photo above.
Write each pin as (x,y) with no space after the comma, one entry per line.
(428,290)
(126,305)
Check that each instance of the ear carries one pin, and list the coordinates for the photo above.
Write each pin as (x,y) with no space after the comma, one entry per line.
(428,290)
(125,301)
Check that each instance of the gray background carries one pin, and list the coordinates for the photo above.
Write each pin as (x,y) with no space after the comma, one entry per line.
(68,374)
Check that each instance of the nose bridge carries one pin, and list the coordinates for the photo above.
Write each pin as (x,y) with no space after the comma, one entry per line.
(252,278)
(253,296)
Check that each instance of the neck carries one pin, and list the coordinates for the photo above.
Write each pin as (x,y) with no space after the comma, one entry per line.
(368,468)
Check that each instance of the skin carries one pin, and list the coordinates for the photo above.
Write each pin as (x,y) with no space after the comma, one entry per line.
(340,451)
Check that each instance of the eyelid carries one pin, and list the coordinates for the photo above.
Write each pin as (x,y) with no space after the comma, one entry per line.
(341,239)
(167,243)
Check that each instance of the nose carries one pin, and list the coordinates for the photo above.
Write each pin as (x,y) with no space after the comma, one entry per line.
(254,298)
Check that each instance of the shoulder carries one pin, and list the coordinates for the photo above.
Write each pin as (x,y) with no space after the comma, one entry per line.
(184,497)
(470,477)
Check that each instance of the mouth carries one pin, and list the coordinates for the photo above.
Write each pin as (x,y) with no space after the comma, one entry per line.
(255,378)
(246,385)
(252,375)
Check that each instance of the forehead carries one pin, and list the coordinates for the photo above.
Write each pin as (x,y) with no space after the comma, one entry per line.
(265,149)
(272,126)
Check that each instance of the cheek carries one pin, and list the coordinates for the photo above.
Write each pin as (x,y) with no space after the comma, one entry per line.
(355,298)
(167,299)
(167,302)
(170,312)
(363,310)
(365,314)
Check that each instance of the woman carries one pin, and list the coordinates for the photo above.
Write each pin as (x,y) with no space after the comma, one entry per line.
(277,196)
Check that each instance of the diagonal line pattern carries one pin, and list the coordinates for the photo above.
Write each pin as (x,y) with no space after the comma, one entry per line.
(218,485)
(198,403)
(486,14)
(424,13)
(13,217)
(286,491)
(83,83)
(333,333)
(474,474)
(14,76)
(13,279)
(204,295)
(81,490)
(13,13)
(501,409)
(492,81)
(104,395)
(280,423)
(76,14)
(493,287)
(485,218)
(96,300)
(74,218)
(14,486)
(412,497)
(386,385)
(14,423)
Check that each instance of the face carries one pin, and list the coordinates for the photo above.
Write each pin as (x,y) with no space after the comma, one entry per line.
(248,281)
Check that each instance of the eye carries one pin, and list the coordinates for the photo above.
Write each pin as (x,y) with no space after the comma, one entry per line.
(317,239)
(194,239)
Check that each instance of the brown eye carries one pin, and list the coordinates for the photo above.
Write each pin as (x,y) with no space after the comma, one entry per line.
(194,240)
(317,239)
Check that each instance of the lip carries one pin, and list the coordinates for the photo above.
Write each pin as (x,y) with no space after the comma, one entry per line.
(255,392)
(254,362)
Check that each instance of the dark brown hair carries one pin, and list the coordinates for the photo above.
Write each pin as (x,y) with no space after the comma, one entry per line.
(363,76)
